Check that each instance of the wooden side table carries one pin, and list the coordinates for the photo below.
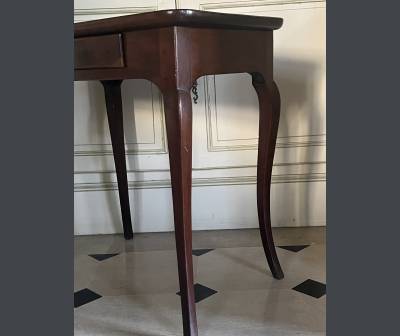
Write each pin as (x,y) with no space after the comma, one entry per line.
(172,49)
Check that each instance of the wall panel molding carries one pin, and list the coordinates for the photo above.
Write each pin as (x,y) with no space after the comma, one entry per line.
(216,144)
(157,146)
(86,14)
(113,10)
(203,176)
(201,182)
(255,3)
(156,170)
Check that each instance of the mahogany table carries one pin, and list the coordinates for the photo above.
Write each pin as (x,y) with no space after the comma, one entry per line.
(173,48)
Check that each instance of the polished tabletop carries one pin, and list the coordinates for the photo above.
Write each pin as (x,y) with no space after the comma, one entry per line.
(175,17)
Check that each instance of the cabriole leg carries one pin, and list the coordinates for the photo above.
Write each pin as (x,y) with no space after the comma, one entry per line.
(269,105)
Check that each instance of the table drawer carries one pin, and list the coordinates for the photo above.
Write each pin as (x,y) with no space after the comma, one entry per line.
(99,52)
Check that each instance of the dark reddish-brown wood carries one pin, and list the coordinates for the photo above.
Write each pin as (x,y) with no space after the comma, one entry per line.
(172,49)
(99,52)
(269,101)
(112,91)
(177,18)
(178,119)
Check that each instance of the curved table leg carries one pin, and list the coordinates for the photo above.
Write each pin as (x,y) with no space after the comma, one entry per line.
(178,118)
(112,90)
(269,104)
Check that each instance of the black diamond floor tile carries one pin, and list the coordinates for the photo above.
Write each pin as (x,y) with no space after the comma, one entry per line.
(201,292)
(312,288)
(294,248)
(199,252)
(84,296)
(101,257)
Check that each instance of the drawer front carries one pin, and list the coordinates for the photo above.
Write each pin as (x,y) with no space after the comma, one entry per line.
(96,52)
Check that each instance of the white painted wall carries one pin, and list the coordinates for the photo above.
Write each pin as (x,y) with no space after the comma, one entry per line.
(225,126)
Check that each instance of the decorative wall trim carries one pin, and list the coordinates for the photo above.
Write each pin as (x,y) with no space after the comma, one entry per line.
(113,10)
(311,176)
(254,3)
(279,164)
(293,141)
(201,182)
(106,149)
(214,144)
